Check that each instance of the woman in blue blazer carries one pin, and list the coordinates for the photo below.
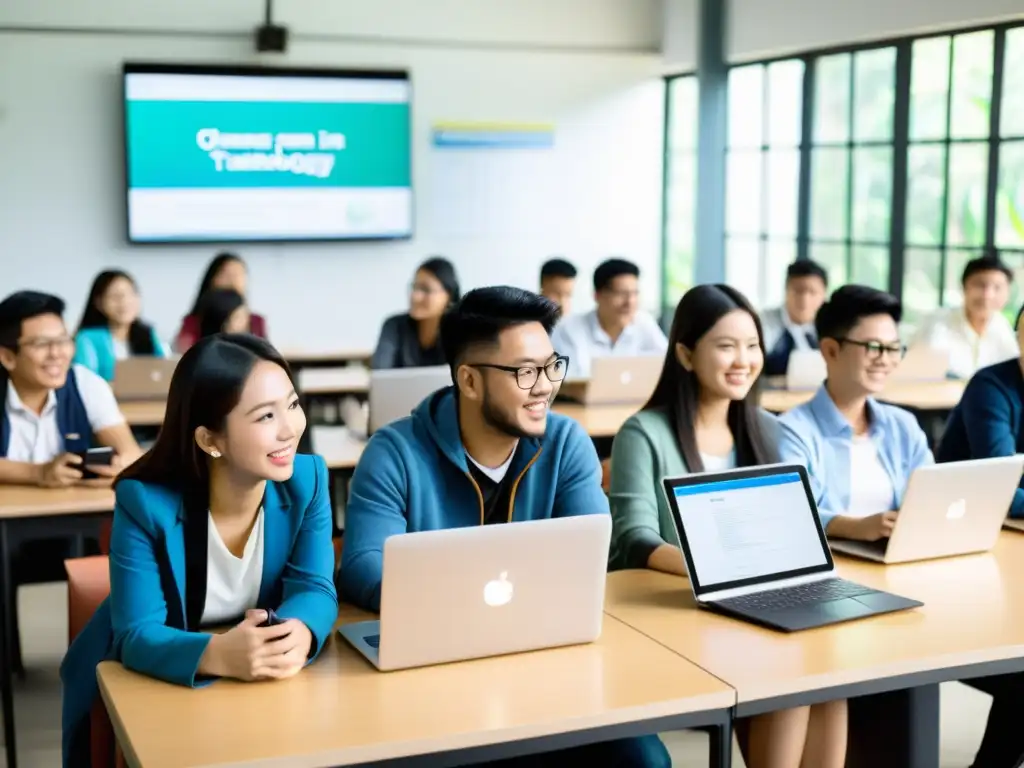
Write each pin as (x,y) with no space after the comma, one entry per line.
(219,524)
(110,328)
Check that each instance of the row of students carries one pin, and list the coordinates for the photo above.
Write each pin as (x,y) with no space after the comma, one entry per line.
(974,335)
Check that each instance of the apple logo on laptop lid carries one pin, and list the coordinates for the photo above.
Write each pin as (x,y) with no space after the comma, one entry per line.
(957,509)
(499,591)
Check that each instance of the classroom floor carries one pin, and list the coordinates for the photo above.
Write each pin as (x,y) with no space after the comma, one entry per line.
(44,624)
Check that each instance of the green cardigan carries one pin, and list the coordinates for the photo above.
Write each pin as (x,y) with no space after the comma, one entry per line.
(644,452)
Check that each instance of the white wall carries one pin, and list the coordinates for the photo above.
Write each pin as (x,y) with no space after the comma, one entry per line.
(765,28)
(587,65)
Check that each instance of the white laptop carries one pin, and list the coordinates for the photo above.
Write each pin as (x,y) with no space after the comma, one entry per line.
(922,364)
(394,393)
(805,370)
(949,509)
(143,378)
(467,593)
(615,380)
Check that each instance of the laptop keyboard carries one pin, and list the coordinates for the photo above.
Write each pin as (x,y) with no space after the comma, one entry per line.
(802,594)
(373,641)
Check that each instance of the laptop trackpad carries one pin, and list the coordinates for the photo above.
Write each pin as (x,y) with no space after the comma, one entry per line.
(879,602)
(820,614)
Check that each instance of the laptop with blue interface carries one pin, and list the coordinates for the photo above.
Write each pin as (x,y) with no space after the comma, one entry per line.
(755,550)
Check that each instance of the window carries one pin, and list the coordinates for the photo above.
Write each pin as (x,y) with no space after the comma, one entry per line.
(680,187)
(851,159)
(947,165)
(1009,202)
(763,177)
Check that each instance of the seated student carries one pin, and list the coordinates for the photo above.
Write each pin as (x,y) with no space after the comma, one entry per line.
(790,327)
(557,282)
(704,417)
(222,311)
(227,270)
(220,522)
(859,452)
(110,328)
(412,339)
(977,334)
(52,409)
(615,327)
(484,451)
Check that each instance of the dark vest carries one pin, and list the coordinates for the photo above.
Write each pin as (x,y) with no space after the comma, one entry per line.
(72,419)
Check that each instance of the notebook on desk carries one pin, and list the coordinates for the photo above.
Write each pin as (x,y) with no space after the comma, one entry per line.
(755,550)
(949,509)
(467,593)
(142,378)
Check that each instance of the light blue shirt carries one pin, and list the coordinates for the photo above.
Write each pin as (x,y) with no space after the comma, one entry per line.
(94,349)
(818,436)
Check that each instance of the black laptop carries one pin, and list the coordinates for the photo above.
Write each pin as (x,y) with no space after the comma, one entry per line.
(755,550)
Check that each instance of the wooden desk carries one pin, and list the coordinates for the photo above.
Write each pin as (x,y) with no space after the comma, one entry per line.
(334,381)
(143,413)
(338,446)
(972,624)
(342,711)
(308,358)
(25,501)
(598,420)
(927,396)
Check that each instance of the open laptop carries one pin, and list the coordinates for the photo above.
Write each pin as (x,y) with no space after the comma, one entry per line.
(143,378)
(922,364)
(467,593)
(755,550)
(805,369)
(617,380)
(396,392)
(949,509)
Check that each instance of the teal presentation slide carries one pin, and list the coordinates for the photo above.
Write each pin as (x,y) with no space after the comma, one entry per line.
(222,158)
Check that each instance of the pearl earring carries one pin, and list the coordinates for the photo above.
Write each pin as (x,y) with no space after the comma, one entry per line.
(215,454)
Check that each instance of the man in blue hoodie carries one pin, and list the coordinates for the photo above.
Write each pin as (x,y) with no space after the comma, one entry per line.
(484,451)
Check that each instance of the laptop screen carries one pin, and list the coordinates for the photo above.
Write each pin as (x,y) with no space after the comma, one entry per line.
(747,527)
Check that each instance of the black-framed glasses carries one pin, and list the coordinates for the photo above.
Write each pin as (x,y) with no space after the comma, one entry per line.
(875,349)
(527,375)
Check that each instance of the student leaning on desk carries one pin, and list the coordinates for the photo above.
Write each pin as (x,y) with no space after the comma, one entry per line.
(860,455)
(485,451)
(704,417)
(52,410)
(220,521)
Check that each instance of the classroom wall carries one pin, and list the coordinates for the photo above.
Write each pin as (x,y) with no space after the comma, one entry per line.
(589,66)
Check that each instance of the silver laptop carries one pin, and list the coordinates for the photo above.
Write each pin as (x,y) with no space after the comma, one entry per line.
(467,593)
(396,392)
(949,509)
(922,364)
(615,380)
(805,369)
(143,378)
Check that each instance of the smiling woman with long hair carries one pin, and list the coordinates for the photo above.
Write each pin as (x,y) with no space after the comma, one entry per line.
(704,417)
(218,524)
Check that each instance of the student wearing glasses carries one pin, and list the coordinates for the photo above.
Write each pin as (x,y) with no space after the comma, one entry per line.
(859,452)
(485,451)
(412,339)
(704,417)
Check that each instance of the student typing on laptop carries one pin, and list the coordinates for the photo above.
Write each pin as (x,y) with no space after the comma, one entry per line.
(485,451)
(859,453)
(702,417)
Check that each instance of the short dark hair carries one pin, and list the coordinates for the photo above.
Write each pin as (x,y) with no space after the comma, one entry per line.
(608,270)
(557,268)
(444,271)
(848,304)
(21,306)
(215,308)
(988,262)
(806,268)
(484,313)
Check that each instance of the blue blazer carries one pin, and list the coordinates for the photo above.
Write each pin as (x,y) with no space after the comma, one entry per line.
(94,348)
(158,575)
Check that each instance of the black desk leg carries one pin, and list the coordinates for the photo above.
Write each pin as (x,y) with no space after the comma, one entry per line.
(899,729)
(720,742)
(6,682)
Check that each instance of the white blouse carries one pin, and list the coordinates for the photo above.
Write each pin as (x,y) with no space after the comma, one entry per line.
(232,583)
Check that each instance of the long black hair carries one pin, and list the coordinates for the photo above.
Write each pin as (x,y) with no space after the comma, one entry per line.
(216,265)
(678,390)
(444,271)
(215,308)
(206,386)
(140,334)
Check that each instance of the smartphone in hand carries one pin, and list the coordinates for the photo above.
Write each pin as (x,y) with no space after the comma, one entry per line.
(272,619)
(95,457)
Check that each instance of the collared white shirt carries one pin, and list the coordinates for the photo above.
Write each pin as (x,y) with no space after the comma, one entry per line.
(232,583)
(949,331)
(37,438)
(582,339)
(776,322)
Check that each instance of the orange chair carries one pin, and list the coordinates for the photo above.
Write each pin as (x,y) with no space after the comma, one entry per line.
(88,586)
(606,475)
